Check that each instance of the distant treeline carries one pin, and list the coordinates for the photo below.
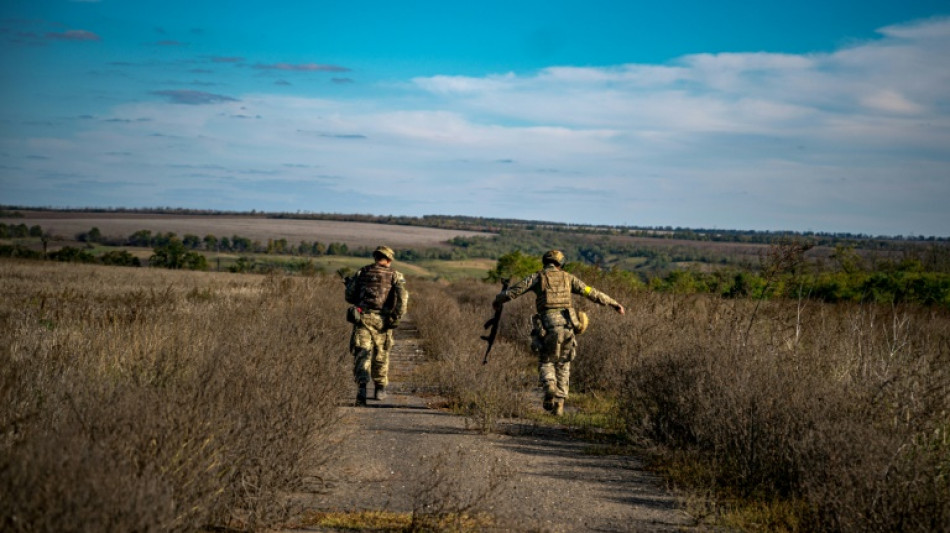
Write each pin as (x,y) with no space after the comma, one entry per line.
(71,254)
(488,224)
(920,273)
(652,257)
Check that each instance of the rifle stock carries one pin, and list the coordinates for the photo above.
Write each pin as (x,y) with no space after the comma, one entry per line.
(494,322)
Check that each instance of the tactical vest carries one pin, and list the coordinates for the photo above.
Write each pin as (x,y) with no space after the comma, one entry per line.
(555,290)
(375,283)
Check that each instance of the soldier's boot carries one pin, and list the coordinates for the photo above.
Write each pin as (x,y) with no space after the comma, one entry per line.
(558,409)
(361,395)
(379,392)
(549,390)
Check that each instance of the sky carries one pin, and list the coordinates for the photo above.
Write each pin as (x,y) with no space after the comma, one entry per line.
(826,116)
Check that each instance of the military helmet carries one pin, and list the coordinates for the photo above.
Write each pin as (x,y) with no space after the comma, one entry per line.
(582,323)
(553,256)
(384,251)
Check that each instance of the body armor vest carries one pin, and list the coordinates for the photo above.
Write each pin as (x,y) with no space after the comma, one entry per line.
(555,290)
(375,284)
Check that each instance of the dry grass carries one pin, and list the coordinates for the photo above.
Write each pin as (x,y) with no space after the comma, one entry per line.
(450,320)
(839,411)
(147,400)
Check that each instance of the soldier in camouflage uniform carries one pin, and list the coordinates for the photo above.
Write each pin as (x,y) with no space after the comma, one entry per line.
(555,324)
(380,299)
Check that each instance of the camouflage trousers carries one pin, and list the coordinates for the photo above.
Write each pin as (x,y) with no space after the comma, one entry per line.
(370,345)
(557,347)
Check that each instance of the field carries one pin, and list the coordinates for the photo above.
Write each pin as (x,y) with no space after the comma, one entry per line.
(138,399)
(354,234)
(156,400)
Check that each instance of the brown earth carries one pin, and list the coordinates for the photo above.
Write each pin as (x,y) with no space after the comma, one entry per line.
(403,456)
(68,224)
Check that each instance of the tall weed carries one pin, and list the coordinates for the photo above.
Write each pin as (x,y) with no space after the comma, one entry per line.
(148,400)
(841,407)
(450,321)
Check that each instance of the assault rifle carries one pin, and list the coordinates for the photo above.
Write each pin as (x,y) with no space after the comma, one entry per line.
(493,323)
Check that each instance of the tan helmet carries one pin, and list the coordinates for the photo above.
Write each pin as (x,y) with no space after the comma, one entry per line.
(553,256)
(384,251)
(582,322)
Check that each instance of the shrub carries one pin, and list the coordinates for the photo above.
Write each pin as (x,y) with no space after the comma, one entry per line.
(840,407)
(159,400)
(450,320)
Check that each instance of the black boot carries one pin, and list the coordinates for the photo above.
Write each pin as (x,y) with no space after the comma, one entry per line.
(379,393)
(361,395)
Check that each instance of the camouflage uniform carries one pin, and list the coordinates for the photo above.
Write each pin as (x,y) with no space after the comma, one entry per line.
(553,336)
(380,298)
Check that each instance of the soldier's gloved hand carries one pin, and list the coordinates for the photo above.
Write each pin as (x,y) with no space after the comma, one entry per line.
(392,323)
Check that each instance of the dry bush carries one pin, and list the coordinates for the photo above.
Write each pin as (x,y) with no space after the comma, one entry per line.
(136,399)
(450,321)
(841,407)
(842,410)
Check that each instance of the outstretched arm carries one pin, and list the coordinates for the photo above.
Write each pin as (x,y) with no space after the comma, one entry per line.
(516,290)
(594,295)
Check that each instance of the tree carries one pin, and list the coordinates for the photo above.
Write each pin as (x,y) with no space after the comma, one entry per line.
(211,242)
(514,265)
(93,235)
(191,241)
(847,259)
(142,237)
(337,248)
(241,244)
(174,255)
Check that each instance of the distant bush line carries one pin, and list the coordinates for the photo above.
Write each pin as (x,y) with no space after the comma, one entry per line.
(922,275)
(471,223)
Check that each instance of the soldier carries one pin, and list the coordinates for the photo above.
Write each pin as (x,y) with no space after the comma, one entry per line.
(378,294)
(555,324)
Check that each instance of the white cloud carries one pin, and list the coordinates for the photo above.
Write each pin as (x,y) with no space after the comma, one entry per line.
(850,139)
(891,102)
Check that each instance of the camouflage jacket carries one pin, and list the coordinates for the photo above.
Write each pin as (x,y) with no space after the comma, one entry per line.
(536,283)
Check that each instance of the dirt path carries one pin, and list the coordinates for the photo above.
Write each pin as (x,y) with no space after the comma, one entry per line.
(401,456)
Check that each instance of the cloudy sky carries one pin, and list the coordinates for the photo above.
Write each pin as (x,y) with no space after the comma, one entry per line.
(811,115)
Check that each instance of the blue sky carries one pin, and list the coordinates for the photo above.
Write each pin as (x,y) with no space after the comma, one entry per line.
(821,116)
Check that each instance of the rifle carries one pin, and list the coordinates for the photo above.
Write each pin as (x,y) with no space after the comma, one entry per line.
(493,323)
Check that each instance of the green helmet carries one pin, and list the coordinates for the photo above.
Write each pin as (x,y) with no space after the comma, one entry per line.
(384,251)
(553,256)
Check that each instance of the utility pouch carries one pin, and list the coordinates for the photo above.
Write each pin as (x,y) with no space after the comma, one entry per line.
(537,333)
(354,315)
